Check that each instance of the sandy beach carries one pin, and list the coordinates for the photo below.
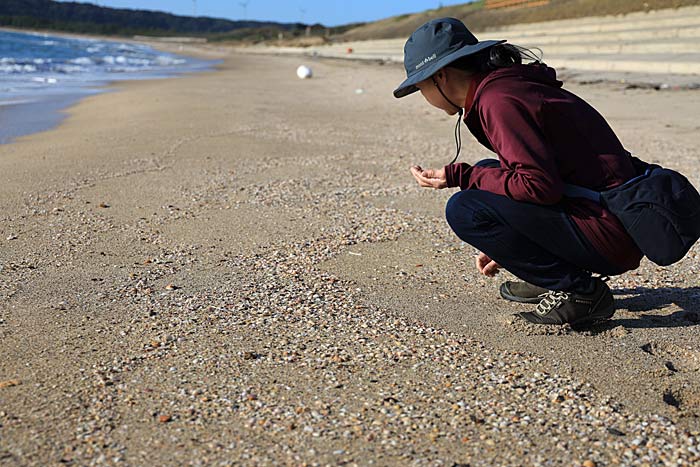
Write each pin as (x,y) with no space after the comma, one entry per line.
(236,267)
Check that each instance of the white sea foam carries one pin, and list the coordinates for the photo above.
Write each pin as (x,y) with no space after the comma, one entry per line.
(42,79)
(19,68)
(16,102)
(164,60)
(68,69)
(42,68)
(68,56)
(82,61)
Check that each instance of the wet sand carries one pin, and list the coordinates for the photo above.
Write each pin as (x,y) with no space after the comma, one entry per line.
(236,268)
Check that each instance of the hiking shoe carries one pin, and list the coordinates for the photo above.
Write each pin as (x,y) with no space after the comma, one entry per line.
(522,292)
(575,309)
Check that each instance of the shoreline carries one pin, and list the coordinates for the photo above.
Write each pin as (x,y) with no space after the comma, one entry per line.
(215,263)
(22,117)
(195,50)
(34,113)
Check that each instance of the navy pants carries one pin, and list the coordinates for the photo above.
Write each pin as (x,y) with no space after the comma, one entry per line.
(538,244)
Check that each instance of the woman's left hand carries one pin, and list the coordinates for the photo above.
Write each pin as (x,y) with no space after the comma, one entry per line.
(429,178)
(486,265)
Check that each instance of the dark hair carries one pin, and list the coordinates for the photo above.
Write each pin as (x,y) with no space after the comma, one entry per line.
(498,56)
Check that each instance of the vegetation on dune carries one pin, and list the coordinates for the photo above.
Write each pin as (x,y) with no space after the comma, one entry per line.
(312,34)
(477,18)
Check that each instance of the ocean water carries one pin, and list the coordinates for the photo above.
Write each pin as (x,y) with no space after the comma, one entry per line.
(42,74)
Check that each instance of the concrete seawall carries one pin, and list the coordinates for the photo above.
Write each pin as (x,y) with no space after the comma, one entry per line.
(657,42)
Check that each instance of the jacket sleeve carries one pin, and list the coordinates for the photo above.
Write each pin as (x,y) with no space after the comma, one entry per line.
(457,175)
(528,170)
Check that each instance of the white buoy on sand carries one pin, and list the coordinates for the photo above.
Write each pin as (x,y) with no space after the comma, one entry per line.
(304,72)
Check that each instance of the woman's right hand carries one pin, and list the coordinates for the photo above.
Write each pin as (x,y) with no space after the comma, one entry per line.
(429,178)
(486,265)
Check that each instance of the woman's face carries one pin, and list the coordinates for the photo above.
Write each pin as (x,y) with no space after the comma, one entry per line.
(431,94)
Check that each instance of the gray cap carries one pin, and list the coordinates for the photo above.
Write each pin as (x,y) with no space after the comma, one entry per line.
(433,46)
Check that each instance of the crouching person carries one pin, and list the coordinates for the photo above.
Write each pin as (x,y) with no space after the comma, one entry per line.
(513,209)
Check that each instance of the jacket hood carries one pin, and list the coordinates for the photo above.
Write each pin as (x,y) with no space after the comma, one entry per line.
(535,72)
(538,72)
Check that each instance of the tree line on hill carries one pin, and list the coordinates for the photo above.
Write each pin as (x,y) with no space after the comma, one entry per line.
(93,19)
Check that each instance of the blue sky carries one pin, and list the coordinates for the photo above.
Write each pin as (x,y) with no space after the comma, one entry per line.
(328,12)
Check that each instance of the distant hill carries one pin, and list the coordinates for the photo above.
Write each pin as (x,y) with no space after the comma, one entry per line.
(477,18)
(93,19)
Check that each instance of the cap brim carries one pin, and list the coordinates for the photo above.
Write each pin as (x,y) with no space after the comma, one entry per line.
(409,84)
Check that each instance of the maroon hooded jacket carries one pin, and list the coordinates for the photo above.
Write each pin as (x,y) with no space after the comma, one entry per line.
(545,136)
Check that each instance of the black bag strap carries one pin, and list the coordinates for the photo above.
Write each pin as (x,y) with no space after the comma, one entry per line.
(575,191)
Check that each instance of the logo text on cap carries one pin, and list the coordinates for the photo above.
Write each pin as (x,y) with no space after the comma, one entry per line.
(426,60)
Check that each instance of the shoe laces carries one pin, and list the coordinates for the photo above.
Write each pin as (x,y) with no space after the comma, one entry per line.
(550,301)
